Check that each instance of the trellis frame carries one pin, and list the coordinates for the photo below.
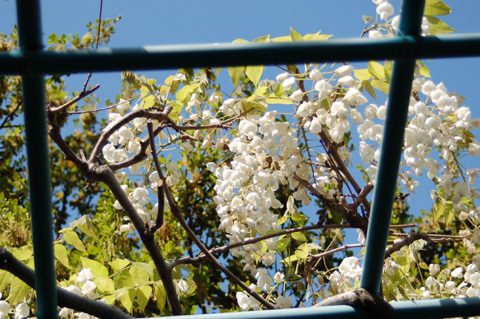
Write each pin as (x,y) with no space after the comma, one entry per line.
(32,63)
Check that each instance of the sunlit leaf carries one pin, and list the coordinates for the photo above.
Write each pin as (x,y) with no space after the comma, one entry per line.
(376,69)
(436,8)
(143,296)
(72,239)
(96,267)
(295,35)
(437,26)
(254,73)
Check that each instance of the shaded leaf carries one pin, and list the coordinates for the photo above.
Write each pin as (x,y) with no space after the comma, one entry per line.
(61,254)
(18,291)
(143,296)
(236,73)
(127,298)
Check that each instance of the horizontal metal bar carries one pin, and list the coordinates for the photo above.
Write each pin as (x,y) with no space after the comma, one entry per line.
(204,55)
(420,309)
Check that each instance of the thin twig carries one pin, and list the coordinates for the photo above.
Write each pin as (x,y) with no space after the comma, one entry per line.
(101,109)
(74,100)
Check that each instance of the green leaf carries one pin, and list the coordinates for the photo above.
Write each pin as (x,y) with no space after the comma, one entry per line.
(437,26)
(388,70)
(286,38)
(18,291)
(295,35)
(262,91)
(298,217)
(127,299)
(254,73)
(381,86)
(61,254)
(143,296)
(279,90)
(254,104)
(148,102)
(239,41)
(147,267)
(282,220)
(299,236)
(183,95)
(282,244)
(423,69)
(123,280)
(265,38)
(176,109)
(85,224)
(140,276)
(272,99)
(161,296)
(301,254)
(368,87)
(376,69)
(290,259)
(118,264)
(362,74)
(22,253)
(236,73)
(5,279)
(104,284)
(96,267)
(317,36)
(436,8)
(72,239)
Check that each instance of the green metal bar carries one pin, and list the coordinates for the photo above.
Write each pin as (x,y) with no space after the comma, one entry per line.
(33,86)
(202,55)
(420,309)
(390,152)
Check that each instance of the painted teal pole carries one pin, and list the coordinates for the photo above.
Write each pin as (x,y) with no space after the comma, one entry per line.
(212,55)
(390,152)
(418,309)
(28,12)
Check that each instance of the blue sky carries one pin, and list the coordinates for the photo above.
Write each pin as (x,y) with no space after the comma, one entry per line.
(150,22)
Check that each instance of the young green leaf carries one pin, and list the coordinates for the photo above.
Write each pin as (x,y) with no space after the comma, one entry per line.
(436,8)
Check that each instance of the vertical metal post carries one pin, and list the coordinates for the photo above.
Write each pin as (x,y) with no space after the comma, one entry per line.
(30,36)
(391,151)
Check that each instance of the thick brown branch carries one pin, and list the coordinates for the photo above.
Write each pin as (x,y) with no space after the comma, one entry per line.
(344,210)
(65,298)
(97,173)
(410,238)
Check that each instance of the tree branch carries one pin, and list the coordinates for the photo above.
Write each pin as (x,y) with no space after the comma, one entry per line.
(178,215)
(74,100)
(65,298)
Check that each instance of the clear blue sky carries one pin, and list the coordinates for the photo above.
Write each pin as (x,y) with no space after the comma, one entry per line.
(149,22)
